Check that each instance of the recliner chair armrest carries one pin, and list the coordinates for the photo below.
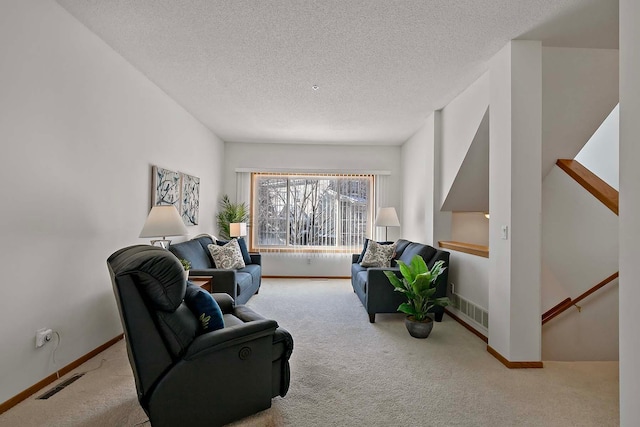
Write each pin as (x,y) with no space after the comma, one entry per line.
(246,314)
(283,336)
(223,280)
(227,337)
(225,302)
(354,258)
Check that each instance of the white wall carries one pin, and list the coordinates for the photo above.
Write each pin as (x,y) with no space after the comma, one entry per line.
(80,129)
(441,219)
(469,278)
(579,249)
(579,90)
(460,121)
(601,154)
(515,200)
(422,209)
(629,208)
(333,158)
(470,227)
(418,201)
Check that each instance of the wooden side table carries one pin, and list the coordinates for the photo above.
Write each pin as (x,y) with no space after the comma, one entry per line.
(205,282)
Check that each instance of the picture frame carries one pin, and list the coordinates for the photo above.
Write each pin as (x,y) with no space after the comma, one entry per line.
(166,187)
(190,199)
(178,189)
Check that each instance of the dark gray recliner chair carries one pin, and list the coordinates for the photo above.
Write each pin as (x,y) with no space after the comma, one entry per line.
(183,378)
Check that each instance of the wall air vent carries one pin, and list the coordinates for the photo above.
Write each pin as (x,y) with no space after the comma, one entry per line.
(471,311)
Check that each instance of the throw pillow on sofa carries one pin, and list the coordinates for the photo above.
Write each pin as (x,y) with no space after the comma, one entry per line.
(378,255)
(243,248)
(228,256)
(364,248)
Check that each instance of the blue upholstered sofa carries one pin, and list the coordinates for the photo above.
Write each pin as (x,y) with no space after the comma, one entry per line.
(241,284)
(377,294)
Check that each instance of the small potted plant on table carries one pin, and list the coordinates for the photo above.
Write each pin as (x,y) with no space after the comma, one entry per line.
(418,285)
(186,265)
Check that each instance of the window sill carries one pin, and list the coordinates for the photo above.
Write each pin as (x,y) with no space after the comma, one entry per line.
(263,250)
(468,248)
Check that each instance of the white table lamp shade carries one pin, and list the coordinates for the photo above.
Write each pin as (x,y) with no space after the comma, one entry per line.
(163,221)
(387,217)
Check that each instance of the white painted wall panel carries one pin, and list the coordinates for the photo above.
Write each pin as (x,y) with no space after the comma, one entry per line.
(629,208)
(80,129)
(579,249)
(515,201)
(460,121)
(418,201)
(470,227)
(470,276)
(579,90)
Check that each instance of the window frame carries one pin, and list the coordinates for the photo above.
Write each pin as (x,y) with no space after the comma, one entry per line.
(253,244)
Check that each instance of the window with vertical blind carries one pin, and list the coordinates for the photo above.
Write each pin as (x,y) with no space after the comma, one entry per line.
(311,212)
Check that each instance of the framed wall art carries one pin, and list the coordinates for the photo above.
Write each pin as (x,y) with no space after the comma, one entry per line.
(178,189)
(165,187)
(190,199)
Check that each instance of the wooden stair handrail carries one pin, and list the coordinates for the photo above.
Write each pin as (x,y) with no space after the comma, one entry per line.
(609,196)
(591,182)
(568,302)
(556,307)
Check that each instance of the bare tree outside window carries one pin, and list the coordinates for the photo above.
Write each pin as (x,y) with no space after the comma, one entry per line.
(311,211)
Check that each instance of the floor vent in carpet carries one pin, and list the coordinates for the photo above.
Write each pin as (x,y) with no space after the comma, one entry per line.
(60,386)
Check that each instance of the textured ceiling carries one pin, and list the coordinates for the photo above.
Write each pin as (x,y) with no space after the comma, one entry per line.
(246,68)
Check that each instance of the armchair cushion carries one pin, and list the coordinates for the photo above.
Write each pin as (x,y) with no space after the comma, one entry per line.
(245,251)
(228,256)
(191,250)
(204,307)
(412,249)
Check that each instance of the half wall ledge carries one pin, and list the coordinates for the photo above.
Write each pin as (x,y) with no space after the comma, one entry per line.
(468,248)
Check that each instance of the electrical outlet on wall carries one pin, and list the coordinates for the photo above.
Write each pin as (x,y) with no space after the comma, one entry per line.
(43,336)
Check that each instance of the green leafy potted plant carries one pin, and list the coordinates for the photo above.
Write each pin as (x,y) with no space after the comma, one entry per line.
(230,212)
(418,285)
(187,266)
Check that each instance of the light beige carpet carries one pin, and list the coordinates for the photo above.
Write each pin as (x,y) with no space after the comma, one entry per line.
(348,372)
